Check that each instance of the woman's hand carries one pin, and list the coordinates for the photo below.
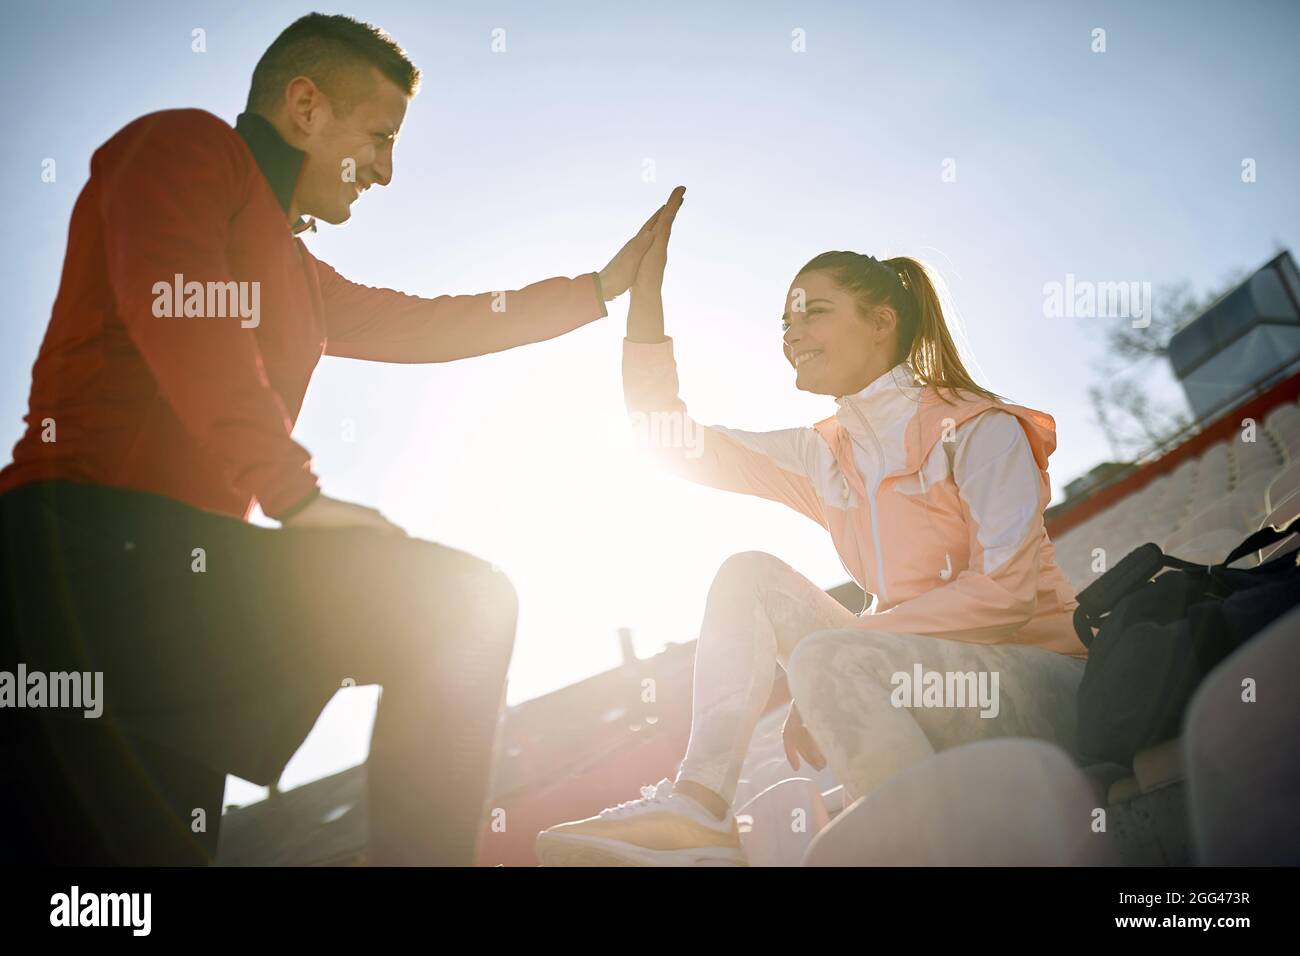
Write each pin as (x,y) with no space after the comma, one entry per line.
(645,316)
(798,741)
(650,274)
(616,278)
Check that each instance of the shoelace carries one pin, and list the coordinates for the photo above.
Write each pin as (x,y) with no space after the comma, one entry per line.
(650,794)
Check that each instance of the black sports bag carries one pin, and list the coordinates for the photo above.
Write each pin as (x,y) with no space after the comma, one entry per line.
(1159,634)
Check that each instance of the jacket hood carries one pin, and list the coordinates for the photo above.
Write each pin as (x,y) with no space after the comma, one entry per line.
(896,408)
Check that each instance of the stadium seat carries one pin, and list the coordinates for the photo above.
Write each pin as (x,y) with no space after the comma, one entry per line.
(1214,456)
(1182,476)
(954,810)
(1285,512)
(1257,456)
(1283,485)
(1283,423)
(1242,785)
(1212,482)
(1250,491)
(777,825)
(1206,547)
(1283,416)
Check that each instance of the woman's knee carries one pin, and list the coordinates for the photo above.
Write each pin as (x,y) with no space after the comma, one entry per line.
(748,568)
(813,662)
(807,658)
(847,649)
(739,586)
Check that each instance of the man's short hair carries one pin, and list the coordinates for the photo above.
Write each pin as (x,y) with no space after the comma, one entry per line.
(334,52)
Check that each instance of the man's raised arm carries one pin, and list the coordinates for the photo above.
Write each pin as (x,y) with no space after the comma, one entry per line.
(384,325)
(389,326)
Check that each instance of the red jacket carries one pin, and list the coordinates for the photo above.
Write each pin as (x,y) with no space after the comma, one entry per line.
(201,409)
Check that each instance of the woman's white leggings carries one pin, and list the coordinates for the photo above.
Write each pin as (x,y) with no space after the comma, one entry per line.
(762,612)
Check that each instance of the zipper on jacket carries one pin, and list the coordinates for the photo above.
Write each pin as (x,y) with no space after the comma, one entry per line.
(871,502)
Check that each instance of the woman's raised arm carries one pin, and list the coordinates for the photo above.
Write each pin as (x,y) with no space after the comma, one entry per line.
(777,465)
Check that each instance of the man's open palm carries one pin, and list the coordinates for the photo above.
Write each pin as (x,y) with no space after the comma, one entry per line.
(616,278)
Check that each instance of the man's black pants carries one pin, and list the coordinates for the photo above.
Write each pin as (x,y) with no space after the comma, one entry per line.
(219,643)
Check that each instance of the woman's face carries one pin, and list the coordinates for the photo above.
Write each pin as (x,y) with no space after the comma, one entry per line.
(835,349)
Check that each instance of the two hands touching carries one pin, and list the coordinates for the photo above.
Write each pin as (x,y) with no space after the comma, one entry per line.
(638,266)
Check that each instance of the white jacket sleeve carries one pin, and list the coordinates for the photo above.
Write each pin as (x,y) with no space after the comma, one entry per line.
(776,465)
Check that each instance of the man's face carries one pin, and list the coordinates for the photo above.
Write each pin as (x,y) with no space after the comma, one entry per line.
(346,155)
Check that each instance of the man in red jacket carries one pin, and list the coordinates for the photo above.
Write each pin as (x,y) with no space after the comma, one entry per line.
(188,322)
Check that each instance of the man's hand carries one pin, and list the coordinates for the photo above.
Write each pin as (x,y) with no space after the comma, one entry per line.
(650,273)
(616,278)
(799,741)
(327,512)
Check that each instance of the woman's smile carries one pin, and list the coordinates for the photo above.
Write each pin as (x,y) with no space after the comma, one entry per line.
(800,358)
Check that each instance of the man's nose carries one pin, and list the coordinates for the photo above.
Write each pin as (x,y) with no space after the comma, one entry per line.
(383,168)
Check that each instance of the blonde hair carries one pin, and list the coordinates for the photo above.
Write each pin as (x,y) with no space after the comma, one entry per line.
(903,283)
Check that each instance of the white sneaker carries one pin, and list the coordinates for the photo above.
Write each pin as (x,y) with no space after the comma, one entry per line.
(662,828)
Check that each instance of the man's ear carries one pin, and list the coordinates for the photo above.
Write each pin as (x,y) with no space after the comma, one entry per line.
(306,105)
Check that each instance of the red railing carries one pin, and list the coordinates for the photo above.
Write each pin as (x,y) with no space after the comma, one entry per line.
(1224,426)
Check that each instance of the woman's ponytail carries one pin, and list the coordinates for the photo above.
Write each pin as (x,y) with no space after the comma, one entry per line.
(929,347)
(924,340)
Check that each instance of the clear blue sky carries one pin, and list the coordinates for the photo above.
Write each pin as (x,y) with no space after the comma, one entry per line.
(515,166)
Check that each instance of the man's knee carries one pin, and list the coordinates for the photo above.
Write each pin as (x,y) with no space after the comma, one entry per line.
(476,597)
(447,577)
(495,603)
(439,610)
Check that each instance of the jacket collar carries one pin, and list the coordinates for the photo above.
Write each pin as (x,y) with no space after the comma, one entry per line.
(279,162)
(889,400)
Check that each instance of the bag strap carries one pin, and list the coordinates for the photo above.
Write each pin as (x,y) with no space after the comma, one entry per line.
(1083,627)
(1262,538)
(1182,564)
(1129,573)
(1141,565)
